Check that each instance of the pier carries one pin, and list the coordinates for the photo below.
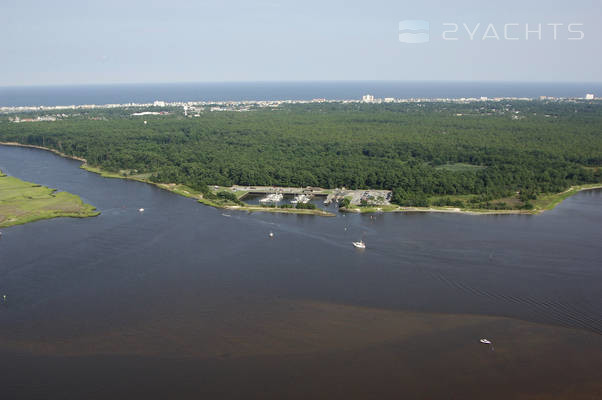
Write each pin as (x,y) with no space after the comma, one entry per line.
(378,197)
(265,190)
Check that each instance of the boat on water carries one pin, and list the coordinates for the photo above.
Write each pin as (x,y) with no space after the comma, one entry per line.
(359,245)
(141,210)
(485,341)
(301,198)
(272,198)
(271,234)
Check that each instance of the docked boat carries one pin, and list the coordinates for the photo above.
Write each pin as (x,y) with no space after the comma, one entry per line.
(359,245)
(301,198)
(272,198)
(485,341)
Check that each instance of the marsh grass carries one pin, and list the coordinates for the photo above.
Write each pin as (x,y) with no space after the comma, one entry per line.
(22,202)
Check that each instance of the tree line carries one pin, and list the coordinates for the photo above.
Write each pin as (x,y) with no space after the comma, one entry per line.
(525,147)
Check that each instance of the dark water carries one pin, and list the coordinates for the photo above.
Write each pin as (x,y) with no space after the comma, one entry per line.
(145,93)
(181,301)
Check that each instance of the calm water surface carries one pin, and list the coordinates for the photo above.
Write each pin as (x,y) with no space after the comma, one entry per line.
(226,91)
(185,300)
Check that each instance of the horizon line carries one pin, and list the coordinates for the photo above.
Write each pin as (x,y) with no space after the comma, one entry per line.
(50,85)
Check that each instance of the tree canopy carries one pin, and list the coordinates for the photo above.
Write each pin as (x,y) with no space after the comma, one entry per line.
(489,149)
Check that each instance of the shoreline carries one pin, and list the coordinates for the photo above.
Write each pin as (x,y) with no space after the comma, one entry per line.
(33,146)
(274,102)
(22,202)
(442,210)
(552,199)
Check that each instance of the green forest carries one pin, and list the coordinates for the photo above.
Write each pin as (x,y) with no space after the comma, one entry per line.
(422,151)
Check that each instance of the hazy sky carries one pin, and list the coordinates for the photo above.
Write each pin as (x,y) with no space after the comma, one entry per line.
(74,42)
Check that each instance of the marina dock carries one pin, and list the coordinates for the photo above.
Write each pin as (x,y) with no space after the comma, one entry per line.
(380,197)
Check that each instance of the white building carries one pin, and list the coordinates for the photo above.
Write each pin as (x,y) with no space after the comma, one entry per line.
(389,100)
(368,98)
(589,96)
(158,103)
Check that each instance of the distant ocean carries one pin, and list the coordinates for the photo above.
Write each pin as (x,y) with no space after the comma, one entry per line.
(145,93)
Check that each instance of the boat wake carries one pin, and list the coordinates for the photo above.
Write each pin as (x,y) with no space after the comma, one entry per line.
(547,310)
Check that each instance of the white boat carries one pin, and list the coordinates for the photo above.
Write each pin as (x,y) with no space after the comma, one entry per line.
(301,198)
(359,245)
(485,341)
(272,198)
(271,234)
(141,210)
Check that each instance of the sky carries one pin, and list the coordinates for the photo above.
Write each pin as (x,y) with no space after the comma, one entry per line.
(100,42)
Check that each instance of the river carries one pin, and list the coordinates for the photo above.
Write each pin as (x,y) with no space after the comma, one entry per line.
(188,301)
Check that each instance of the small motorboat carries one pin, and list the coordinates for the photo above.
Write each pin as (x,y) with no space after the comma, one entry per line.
(271,234)
(359,245)
(485,341)
(141,210)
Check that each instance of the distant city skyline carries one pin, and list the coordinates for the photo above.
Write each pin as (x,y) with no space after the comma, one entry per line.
(73,43)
